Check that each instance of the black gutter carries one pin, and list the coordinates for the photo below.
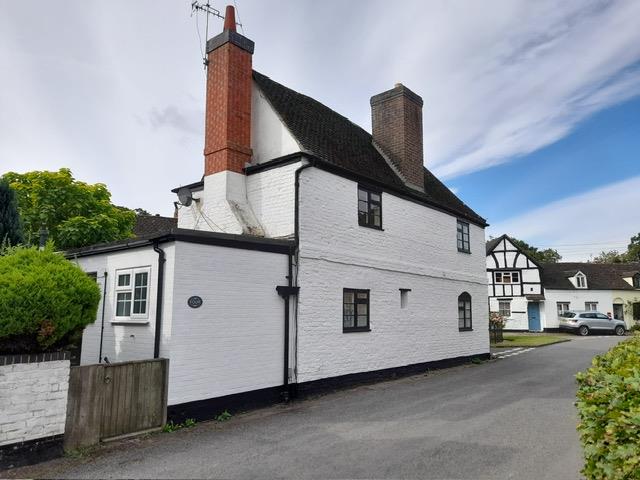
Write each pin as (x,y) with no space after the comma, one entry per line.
(104,297)
(158,332)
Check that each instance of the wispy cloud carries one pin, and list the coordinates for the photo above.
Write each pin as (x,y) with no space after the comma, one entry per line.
(583,225)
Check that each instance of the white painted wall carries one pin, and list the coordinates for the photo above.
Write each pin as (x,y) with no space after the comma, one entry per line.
(271,194)
(133,340)
(625,296)
(33,400)
(416,250)
(234,342)
(270,138)
(576,299)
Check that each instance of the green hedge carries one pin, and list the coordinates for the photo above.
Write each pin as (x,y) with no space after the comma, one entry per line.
(609,408)
(43,299)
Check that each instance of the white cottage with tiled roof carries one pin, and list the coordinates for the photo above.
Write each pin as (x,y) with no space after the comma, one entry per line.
(310,254)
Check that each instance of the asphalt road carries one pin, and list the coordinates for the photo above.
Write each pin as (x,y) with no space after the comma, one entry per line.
(508,418)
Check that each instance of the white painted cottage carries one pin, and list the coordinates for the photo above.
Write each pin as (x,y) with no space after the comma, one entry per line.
(532,295)
(311,253)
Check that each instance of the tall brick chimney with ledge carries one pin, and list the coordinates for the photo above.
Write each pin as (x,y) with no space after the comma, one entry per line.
(222,203)
(396,119)
(228,105)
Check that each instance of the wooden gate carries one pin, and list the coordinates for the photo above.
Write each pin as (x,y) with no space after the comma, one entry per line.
(107,401)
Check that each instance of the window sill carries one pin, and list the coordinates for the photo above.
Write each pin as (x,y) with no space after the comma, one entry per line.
(130,321)
(465,329)
(373,227)
(356,330)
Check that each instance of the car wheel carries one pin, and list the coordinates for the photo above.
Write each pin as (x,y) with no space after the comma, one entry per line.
(583,330)
(619,330)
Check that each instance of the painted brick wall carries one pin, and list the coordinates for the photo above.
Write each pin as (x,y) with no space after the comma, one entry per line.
(234,342)
(272,196)
(416,250)
(33,400)
(133,340)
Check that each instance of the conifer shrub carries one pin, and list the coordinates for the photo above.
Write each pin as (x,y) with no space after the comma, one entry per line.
(44,298)
(609,408)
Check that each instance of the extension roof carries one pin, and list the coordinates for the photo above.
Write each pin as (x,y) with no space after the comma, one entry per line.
(336,140)
(600,276)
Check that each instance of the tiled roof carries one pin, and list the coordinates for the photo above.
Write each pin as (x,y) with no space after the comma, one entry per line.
(150,224)
(338,141)
(600,276)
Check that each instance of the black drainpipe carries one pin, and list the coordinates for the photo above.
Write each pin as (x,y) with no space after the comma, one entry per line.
(158,333)
(104,297)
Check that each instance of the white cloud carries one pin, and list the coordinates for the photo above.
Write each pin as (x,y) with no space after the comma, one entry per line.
(583,225)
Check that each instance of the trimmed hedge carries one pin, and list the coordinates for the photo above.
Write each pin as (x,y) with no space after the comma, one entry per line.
(44,298)
(609,408)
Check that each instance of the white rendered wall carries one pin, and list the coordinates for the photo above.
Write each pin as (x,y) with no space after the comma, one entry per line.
(576,299)
(624,297)
(416,250)
(519,318)
(234,342)
(33,400)
(270,138)
(133,340)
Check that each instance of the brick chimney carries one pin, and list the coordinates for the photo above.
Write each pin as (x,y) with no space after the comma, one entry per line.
(396,119)
(227,145)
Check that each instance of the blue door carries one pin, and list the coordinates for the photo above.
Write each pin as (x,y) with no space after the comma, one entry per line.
(533,311)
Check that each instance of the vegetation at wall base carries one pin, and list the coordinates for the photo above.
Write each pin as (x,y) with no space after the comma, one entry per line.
(44,300)
(609,408)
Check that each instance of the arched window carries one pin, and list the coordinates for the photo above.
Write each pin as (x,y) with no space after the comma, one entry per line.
(464,311)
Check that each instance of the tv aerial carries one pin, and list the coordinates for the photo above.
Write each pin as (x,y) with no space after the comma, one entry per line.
(207,9)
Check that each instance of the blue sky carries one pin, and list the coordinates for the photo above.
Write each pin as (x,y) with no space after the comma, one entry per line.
(531,109)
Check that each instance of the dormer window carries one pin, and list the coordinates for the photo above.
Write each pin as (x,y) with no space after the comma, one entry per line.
(636,280)
(581,281)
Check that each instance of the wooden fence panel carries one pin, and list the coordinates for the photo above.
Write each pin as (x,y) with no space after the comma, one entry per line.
(111,400)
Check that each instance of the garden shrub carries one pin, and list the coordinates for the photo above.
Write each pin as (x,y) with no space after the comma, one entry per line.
(609,408)
(44,298)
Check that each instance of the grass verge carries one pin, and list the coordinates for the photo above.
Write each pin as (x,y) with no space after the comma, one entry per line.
(515,340)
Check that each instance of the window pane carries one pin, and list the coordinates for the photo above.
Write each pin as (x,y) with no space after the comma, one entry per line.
(348,321)
(123,304)
(141,279)
(375,197)
(363,195)
(498,277)
(516,277)
(362,309)
(362,321)
(363,295)
(349,297)
(349,309)
(124,280)
(363,207)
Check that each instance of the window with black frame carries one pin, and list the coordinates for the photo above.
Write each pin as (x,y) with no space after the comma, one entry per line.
(369,208)
(464,312)
(355,310)
(463,237)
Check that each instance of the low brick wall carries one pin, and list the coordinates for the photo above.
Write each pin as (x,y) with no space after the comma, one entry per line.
(33,406)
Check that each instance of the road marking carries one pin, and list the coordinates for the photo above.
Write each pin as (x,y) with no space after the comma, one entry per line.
(512,352)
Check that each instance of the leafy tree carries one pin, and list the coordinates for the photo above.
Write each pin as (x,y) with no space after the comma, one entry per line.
(10,225)
(75,213)
(612,256)
(44,299)
(141,212)
(633,250)
(549,255)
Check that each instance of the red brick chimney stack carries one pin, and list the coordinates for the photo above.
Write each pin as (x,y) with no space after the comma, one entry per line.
(227,144)
(396,119)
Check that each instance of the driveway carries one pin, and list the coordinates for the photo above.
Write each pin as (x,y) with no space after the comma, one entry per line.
(507,418)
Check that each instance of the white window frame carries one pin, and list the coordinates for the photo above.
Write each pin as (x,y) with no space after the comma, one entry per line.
(510,274)
(588,305)
(560,306)
(132,272)
(581,280)
(502,311)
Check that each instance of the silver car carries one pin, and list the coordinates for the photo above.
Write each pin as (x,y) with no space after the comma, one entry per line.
(582,323)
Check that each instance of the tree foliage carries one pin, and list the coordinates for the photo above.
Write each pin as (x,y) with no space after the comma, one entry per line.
(75,213)
(609,408)
(613,256)
(43,299)
(10,225)
(549,255)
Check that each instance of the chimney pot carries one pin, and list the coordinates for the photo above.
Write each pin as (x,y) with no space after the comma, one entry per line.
(230,18)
